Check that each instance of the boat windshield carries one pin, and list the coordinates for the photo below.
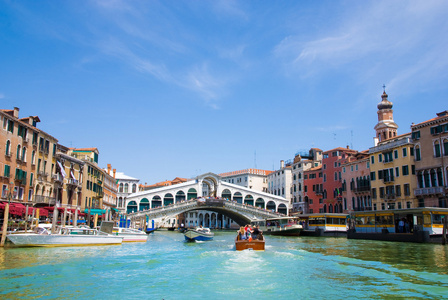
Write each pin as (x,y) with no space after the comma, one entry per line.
(40,230)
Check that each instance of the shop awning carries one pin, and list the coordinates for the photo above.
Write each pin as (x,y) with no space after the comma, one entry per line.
(95,211)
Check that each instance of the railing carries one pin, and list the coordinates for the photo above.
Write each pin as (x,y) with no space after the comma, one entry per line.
(72,181)
(429,191)
(58,177)
(389,196)
(44,199)
(362,189)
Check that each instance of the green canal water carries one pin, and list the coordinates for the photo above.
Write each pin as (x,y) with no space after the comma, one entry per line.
(166,267)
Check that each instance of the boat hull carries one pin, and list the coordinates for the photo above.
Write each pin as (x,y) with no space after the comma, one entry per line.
(37,240)
(284,232)
(257,245)
(193,235)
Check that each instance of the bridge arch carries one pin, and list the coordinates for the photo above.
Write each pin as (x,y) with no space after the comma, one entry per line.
(168,199)
(180,196)
(192,194)
(271,206)
(226,194)
(260,202)
(144,204)
(238,197)
(156,201)
(132,207)
(282,209)
(249,200)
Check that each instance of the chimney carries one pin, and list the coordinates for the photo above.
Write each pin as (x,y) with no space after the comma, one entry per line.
(114,170)
(108,168)
(348,147)
(282,164)
(16,112)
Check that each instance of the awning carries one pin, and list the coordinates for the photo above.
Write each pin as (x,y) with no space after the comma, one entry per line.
(95,211)
(114,209)
(42,211)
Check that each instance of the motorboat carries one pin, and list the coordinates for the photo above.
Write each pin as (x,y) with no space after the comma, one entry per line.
(198,234)
(283,226)
(130,234)
(65,236)
(250,244)
(151,230)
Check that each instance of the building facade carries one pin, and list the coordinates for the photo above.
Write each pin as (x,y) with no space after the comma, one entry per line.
(430,140)
(279,181)
(313,190)
(251,178)
(356,183)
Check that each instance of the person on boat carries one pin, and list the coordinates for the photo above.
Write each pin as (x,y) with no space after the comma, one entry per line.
(241,234)
(255,232)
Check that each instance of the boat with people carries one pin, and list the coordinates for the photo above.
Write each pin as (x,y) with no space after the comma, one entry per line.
(64,236)
(257,244)
(130,234)
(198,234)
(282,226)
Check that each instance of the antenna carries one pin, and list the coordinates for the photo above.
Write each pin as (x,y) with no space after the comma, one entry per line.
(351,142)
(255,159)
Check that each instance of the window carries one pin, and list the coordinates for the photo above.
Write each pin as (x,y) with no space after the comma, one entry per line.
(413,169)
(335,164)
(372,175)
(415,135)
(405,152)
(372,159)
(335,176)
(395,154)
(10,126)
(437,149)
(405,170)
(8,148)
(381,192)
(343,170)
(397,171)
(398,190)
(445,147)
(374,193)
(417,153)
(351,168)
(407,189)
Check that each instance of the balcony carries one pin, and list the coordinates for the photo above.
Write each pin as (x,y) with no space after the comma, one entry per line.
(42,176)
(44,199)
(362,189)
(5,176)
(74,182)
(429,191)
(58,178)
(25,140)
(389,197)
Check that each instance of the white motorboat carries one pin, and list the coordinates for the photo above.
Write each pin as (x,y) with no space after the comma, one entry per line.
(130,234)
(66,236)
(198,234)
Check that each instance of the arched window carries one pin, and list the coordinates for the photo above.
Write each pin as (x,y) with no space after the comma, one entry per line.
(24,154)
(120,189)
(126,188)
(417,153)
(134,188)
(33,157)
(18,152)
(436,149)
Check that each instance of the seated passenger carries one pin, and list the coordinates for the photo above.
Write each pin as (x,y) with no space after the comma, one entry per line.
(255,232)
(241,234)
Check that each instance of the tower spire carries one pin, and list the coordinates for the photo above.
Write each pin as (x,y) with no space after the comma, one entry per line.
(386,127)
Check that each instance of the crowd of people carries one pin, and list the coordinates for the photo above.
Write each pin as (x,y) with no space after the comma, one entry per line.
(249,233)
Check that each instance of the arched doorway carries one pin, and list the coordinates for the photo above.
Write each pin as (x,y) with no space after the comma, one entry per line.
(249,200)
(226,194)
(144,204)
(282,209)
(180,196)
(271,206)
(192,194)
(132,207)
(168,199)
(259,202)
(238,197)
(156,201)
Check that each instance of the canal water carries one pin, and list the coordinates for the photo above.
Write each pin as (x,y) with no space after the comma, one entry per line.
(166,267)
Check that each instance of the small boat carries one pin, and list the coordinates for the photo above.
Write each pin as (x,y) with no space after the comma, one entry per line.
(130,234)
(283,226)
(66,236)
(257,244)
(151,230)
(198,234)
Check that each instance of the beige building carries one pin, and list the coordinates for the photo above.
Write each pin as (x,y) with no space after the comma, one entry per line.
(431,160)
(251,178)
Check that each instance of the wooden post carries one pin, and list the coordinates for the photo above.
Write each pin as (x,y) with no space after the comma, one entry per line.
(5,225)
(75,218)
(32,219)
(95,221)
(444,231)
(26,218)
(55,220)
(65,217)
(37,217)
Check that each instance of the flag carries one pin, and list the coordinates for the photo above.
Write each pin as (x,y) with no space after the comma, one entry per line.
(62,170)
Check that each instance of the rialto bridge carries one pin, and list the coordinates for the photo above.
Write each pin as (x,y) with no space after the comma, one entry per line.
(240,203)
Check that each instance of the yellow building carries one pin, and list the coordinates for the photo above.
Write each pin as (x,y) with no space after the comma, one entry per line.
(392,174)
(45,162)
(93,178)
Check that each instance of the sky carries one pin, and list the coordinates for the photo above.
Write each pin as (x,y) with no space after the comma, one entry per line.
(169,89)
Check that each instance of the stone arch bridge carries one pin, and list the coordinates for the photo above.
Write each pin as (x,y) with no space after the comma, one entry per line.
(240,213)
(239,203)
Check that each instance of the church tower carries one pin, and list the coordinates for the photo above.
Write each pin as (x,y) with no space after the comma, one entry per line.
(386,127)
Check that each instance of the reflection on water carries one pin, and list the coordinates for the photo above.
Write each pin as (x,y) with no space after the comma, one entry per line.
(166,267)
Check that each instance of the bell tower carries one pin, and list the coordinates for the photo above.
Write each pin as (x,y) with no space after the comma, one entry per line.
(386,127)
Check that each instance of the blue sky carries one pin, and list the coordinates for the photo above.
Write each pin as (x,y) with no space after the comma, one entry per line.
(180,88)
